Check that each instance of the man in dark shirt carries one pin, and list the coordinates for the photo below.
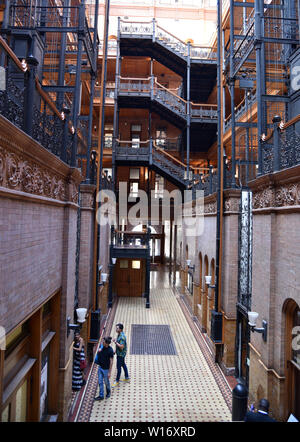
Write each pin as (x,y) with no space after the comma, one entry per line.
(262,414)
(104,359)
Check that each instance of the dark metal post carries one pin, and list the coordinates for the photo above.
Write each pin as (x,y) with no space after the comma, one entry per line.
(30,94)
(188,127)
(66,112)
(147,279)
(116,114)
(276,143)
(258,47)
(239,402)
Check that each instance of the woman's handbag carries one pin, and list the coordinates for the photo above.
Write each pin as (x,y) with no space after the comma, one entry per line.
(83,364)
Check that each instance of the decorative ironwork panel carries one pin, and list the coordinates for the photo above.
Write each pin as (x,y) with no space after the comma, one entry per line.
(245,250)
(12,103)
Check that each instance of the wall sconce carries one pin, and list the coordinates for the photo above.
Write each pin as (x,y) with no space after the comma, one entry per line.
(252,316)
(103,279)
(81,313)
(114,260)
(208,281)
(188,263)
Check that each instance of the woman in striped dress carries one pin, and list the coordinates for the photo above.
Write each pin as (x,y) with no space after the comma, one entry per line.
(78,355)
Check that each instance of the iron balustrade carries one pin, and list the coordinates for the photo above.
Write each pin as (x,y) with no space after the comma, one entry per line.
(46,126)
(241,109)
(33,16)
(282,149)
(158,34)
(150,87)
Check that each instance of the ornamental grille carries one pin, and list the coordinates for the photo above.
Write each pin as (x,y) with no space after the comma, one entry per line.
(151,340)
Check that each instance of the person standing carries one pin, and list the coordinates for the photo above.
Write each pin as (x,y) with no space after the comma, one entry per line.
(262,414)
(78,354)
(121,350)
(104,359)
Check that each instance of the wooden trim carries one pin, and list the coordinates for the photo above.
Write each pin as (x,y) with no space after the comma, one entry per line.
(47,339)
(14,384)
(35,328)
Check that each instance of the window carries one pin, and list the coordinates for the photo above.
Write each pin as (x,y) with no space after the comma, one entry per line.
(136,265)
(134,189)
(161,136)
(136,135)
(123,264)
(134,174)
(159,186)
(135,141)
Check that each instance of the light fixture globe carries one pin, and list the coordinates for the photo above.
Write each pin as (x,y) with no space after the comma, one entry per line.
(81,312)
(114,260)
(252,316)
(208,279)
(103,277)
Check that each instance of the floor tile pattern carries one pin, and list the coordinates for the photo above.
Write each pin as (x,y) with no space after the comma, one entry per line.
(163,388)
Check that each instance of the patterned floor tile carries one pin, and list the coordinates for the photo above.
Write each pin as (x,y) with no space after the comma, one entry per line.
(187,387)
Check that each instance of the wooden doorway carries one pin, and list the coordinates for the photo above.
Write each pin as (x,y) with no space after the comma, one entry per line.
(129,277)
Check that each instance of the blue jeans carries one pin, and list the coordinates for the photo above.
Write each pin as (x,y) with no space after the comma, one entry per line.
(103,376)
(120,364)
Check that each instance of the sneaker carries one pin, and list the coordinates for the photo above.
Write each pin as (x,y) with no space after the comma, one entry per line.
(115,384)
(125,380)
(99,398)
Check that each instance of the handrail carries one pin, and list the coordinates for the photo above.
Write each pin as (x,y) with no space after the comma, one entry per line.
(204,104)
(168,90)
(48,100)
(13,56)
(24,67)
(130,21)
(130,141)
(172,35)
(290,122)
(169,155)
(134,78)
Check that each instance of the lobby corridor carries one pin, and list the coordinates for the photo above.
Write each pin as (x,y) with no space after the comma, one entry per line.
(183,387)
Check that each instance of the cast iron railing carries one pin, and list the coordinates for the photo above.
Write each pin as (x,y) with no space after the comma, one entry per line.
(281,149)
(160,35)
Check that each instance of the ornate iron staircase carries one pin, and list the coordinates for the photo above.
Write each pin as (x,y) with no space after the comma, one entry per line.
(139,92)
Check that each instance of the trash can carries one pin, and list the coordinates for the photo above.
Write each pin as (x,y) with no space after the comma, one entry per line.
(239,402)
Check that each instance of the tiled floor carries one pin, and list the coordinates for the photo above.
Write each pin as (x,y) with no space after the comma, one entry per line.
(187,387)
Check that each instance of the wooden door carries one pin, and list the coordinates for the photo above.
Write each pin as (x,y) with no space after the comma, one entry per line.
(136,277)
(129,277)
(123,277)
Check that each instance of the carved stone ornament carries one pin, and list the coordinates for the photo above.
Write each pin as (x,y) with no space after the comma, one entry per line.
(231,205)
(18,173)
(288,195)
(264,198)
(210,207)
